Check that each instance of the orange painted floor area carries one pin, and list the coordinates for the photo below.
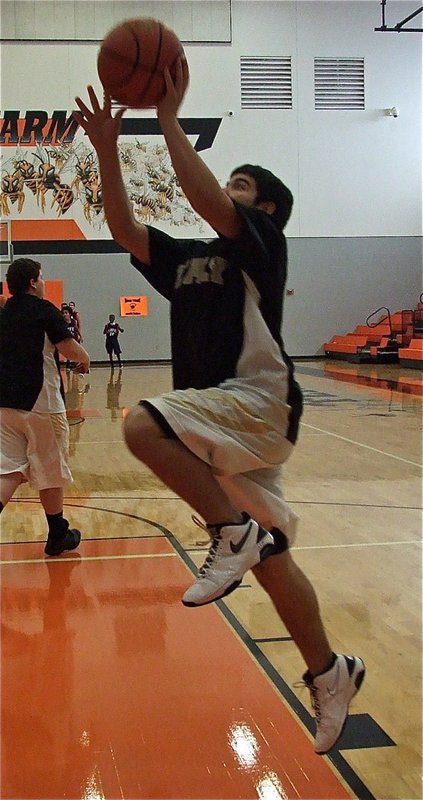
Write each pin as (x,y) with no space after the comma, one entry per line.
(112,689)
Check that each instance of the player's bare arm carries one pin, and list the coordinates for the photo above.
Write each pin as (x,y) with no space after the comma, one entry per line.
(73,351)
(199,184)
(103,130)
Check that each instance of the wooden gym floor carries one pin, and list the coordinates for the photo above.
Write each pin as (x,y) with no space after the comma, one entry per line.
(112,689)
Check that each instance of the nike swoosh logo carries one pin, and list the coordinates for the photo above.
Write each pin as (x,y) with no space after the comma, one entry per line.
(236,547)
(332,692)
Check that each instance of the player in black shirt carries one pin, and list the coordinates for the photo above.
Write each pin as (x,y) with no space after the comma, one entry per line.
(71,324)
(111,332)
(72,328)
(76,317)
(34,429)
(219,438)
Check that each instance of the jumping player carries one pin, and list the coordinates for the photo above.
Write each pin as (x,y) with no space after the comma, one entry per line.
(219,439)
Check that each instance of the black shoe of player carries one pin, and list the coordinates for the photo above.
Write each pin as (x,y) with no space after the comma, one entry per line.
(59,543)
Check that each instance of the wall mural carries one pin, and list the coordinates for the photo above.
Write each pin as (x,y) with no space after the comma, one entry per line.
(44,176)
(61,176)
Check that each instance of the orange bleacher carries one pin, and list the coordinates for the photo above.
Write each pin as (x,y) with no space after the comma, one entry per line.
(346,344)
(412,356)
(360,345)
(385,341)
(382,344)
(372,334)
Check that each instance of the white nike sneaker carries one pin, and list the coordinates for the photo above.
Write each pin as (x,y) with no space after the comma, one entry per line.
(331,694)
(234,549)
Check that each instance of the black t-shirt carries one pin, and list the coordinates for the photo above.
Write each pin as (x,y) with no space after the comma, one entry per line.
(73,330)
(29,329)
(204,283)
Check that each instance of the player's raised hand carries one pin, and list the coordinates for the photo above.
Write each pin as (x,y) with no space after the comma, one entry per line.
(101,127)
(175,88)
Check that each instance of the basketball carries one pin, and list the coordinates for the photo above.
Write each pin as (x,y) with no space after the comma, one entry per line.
(132,58)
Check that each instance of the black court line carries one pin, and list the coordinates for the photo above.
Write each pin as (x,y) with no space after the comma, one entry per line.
(274,639)
(94,538)
(36,501)
(96,497)
(112,498)
(344,769)
(164,531)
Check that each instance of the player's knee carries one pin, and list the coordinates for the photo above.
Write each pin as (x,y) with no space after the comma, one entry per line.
(133,428)
(138,431)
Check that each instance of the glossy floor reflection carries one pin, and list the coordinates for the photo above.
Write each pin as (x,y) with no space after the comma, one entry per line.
(110,689)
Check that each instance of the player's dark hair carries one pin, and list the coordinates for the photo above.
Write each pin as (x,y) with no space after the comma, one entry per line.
(20,273)
(269,187)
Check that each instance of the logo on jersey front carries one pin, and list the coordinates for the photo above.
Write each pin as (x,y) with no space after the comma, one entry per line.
(201,270)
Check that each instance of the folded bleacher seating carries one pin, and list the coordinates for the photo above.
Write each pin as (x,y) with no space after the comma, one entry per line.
(412,356)
(392,339)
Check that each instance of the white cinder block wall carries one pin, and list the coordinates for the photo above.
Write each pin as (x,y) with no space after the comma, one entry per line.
(355,234)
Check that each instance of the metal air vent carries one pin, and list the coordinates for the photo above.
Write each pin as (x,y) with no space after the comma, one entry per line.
(266,82)
(338,83)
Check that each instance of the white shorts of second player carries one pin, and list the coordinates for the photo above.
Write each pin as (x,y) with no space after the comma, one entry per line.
(241,433)
(36,445)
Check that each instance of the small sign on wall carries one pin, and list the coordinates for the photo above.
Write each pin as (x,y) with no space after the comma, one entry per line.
(134,306)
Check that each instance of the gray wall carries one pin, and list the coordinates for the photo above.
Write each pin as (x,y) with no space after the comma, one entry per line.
(337,283)
(96,282)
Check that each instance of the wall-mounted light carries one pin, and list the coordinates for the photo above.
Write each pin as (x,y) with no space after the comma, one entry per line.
(392,112)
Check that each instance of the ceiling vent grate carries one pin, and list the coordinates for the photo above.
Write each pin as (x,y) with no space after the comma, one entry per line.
(338,83)
(266,82)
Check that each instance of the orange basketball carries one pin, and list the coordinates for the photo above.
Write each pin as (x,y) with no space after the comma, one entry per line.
(132,58)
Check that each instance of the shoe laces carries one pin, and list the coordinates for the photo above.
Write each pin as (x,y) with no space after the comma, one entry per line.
(203,526)
(314,697)
(216,538)
(315,702)
(199,523)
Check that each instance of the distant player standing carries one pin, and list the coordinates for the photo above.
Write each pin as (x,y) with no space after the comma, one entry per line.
(111,332)
(77,317)
(72,328)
